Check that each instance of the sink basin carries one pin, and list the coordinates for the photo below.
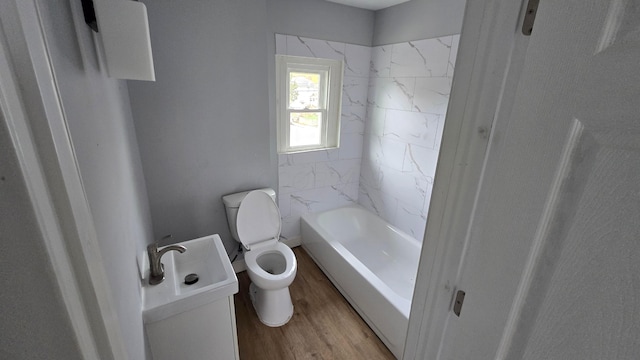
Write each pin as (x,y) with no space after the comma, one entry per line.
(205,257)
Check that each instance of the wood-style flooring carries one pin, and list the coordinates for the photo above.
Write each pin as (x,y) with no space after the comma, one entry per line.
(323,326)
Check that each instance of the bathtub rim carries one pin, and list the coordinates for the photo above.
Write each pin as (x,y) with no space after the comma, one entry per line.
(379,307)
(399,303)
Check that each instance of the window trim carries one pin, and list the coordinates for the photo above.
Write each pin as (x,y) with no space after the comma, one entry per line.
(330,92)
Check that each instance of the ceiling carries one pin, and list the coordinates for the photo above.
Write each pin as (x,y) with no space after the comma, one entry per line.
(369,4)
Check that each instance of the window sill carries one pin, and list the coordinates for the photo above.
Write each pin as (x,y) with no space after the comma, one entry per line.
(307,150)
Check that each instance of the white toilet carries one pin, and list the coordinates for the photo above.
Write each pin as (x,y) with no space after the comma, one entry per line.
(254,220)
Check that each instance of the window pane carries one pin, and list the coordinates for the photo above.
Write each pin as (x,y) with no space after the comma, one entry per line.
(304,90)
(305,128)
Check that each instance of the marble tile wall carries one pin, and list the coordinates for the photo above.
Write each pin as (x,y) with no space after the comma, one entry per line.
(321,180)
(394,103)
(408,95)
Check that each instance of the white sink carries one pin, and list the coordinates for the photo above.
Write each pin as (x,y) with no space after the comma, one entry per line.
(205,257)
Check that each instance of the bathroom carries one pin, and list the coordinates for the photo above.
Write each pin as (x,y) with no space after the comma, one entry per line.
(186,118)
(205,128)
(538,125)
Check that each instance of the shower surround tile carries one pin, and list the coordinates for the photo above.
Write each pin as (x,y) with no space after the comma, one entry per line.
(420,162)
(386,152)
(392,93)
(375,121)
(455,43)
(380,64)
(354,91)
(410,219)
(296,177)
(337,172)
(353,119)
(431,95)
(356,60)
(351,146)
(411,127)
(394,103)
(300,46)
(409,91)
(423,58)
(325,179)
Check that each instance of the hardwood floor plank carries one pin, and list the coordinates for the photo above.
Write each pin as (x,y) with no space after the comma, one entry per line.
(323,326)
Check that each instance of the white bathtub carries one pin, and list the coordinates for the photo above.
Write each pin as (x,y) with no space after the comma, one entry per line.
(372,263)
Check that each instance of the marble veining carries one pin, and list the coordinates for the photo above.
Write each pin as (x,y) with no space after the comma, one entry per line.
(380,64)
(354,91)
(300,46)
(424,59)
(409,90)
(394,102)
(353,119)
(325,179)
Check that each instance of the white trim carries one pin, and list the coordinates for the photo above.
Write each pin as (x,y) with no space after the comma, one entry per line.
(55,187)
(292,242)
(240,266)
(485,67)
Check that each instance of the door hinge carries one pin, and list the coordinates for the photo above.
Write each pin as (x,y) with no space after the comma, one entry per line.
(530,17)
(457,302)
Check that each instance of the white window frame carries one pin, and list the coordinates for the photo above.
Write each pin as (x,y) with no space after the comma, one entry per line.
(330,92)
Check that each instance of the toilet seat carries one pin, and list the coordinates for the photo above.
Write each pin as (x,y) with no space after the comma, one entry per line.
(258,220)
(251,259)
(259,225)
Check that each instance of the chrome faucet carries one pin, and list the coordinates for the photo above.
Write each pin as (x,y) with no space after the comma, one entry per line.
(156,275)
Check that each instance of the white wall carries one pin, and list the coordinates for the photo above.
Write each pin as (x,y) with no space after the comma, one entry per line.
(418,19)
(206,127)
(100,123)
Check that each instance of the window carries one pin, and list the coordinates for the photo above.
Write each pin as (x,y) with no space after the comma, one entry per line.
(308,103)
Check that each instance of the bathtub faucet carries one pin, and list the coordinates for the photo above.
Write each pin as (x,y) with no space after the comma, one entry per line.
(156,275)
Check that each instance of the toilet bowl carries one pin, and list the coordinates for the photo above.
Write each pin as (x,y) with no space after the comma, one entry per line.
(255,221)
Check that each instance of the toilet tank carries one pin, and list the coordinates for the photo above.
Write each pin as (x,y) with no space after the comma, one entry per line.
(232,203)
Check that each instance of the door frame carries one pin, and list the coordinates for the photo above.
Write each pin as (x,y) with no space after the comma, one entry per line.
(31,106)
(489,62)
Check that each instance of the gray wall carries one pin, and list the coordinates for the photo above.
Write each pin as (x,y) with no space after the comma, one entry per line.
(203,126)
(99,118)
(418,19)
(206,127)
(321,19)
(33,319)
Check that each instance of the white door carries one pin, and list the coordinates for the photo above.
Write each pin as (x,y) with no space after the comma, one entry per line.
(552,264)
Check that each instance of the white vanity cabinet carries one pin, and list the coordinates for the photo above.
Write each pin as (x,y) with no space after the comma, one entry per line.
(206,332)
(194,319)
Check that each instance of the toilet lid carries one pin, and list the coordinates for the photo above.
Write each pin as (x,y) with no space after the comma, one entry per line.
(258,219)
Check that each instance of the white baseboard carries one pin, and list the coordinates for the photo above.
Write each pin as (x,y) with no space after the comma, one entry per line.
(239,265)
(292,242)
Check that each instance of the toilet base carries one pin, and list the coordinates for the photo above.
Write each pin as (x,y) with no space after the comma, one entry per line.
(274,307)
